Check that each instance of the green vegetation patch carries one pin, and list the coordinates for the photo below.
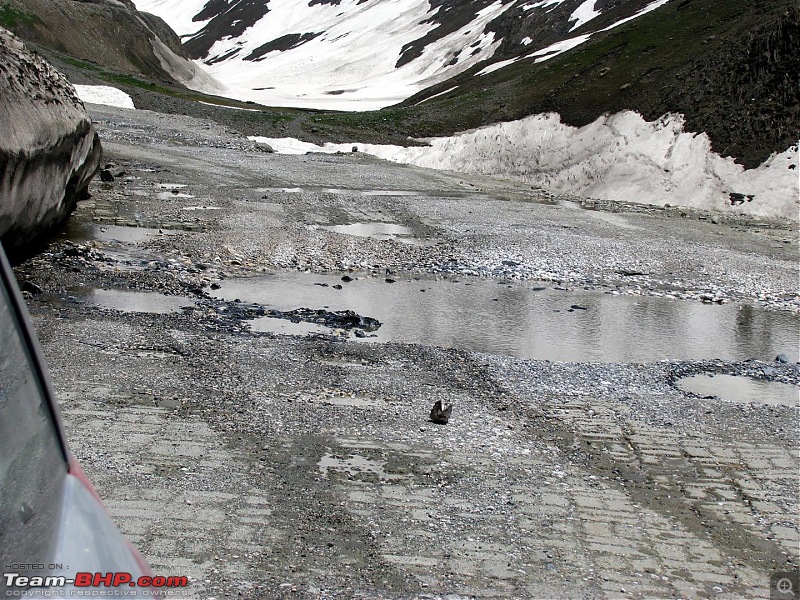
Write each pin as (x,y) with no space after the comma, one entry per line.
(11,17)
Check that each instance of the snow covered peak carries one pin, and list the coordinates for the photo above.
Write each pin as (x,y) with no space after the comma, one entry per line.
(367,54)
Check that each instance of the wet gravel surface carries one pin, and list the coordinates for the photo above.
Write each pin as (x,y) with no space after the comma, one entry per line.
(272,466)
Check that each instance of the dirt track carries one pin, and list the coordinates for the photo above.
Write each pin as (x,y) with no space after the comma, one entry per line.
(267,466)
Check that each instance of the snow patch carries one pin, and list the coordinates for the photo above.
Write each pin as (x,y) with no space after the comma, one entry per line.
(178,13)
(338,68)
(619,157)
(558,48)
(543,4)
(230,107)
(295,146)
(497,66)
(103,94)
(362,78)
(583,14)
(650,7)
(447,91)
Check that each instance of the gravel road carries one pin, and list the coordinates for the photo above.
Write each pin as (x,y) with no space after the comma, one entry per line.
(305,466)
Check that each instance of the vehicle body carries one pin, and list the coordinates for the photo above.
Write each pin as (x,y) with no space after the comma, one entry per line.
(52,522)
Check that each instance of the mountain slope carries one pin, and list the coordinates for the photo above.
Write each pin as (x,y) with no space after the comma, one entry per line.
(730,68)
(367,54)
(111,33)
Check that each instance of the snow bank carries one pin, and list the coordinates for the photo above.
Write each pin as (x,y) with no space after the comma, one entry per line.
(619,157)
(49,150)
(103,94)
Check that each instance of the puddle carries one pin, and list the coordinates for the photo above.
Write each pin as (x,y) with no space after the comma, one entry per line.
(125,233)
(343,399)
(83,232)
(130,301)
(285,327)
(516,320)
(171,195)
(325,190)
(355,466)
(201,208)
(737,388)
(377,231)
(129,235)
(171,186)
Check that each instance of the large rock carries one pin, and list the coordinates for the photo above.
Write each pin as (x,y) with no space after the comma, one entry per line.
(49,150)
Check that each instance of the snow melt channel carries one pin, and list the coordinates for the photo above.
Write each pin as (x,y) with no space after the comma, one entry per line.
(619,157)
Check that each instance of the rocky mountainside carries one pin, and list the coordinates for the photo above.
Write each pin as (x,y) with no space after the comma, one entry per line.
(110,34)
(367,54)
(49,150)
(730,68)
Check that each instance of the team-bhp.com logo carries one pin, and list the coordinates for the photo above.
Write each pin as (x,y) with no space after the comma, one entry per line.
(120,580)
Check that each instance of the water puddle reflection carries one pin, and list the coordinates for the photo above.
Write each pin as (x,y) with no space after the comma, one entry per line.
(286,327)
(132,301)
(172,194)
(377,231)
(126,235)
(532,321)
(737,388)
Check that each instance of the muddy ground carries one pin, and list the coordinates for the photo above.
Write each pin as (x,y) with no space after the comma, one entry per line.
(273,466)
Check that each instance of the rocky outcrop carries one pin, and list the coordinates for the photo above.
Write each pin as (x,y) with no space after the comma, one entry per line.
(49,150)
(110,34)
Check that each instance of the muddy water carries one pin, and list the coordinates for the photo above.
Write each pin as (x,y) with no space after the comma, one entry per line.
(131,301)
(736,388)
(533,320)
